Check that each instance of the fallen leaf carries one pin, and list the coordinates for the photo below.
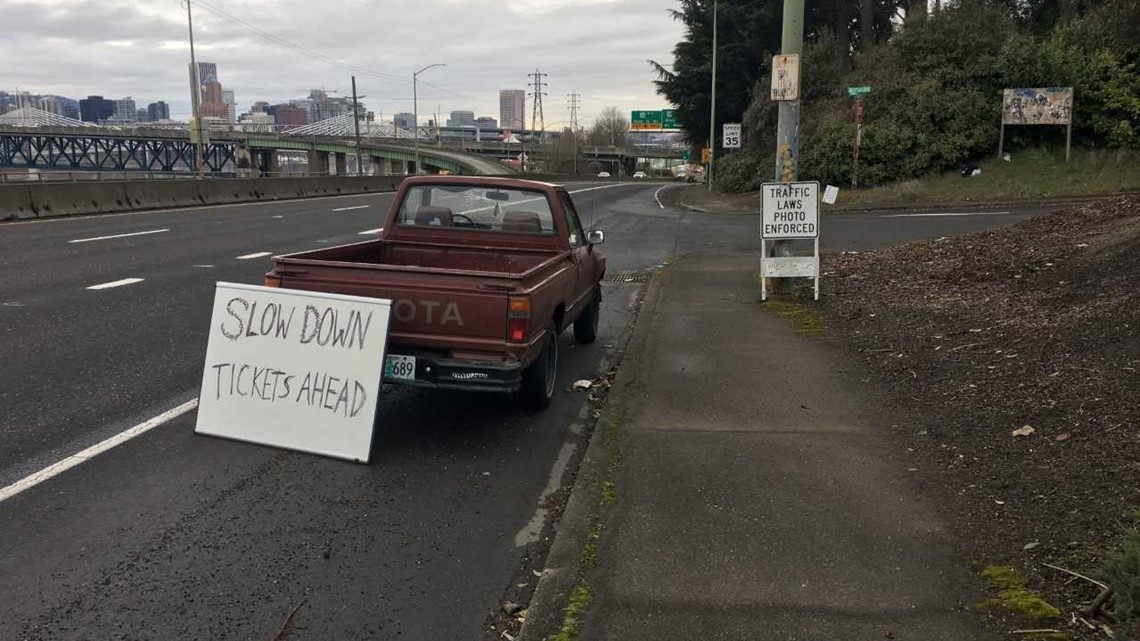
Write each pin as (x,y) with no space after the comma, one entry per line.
(1064,437)
(1024,430)
(1029,546)
(583,384)
(890,635)
(999,502)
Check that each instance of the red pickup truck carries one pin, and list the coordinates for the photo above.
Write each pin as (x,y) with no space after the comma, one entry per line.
(483,274)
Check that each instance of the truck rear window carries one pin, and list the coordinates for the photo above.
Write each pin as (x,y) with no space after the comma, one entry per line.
(466,208)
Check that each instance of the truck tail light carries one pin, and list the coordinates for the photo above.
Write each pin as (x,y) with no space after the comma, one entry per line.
(518,319)
(272,281)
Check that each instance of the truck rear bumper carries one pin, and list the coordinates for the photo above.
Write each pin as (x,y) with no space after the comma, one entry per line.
(467,375)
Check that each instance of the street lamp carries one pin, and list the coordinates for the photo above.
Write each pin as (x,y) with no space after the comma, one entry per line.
(196,137)
(712,109)
(416,110)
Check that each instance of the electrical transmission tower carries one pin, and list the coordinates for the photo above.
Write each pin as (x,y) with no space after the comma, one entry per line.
(536,116)
(574,99)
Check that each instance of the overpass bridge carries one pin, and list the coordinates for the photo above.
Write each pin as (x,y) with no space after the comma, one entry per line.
(228,153)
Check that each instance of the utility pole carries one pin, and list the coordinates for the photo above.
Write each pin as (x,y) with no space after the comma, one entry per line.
(196,137)
(356,123)
(788,125)
(712,104)
(787,138)
(575,99)
(416,111)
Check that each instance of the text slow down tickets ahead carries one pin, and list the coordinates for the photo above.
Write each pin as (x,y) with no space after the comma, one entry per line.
(295,369)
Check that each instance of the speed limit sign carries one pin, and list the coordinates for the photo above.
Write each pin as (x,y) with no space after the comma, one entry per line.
(731,135)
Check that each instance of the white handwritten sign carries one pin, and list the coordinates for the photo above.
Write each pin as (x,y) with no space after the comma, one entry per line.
(294,369)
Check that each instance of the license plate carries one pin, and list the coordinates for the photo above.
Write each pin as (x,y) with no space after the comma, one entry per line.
(400,368)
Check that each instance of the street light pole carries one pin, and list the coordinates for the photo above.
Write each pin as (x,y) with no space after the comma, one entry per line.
(195,98)
(712,110)
(416,110)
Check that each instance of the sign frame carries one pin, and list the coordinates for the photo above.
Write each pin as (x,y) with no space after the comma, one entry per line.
(789,266)
(351,444)
(1011,100)
(785,77)
(731,134)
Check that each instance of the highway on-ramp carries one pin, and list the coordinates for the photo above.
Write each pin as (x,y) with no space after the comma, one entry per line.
(174,536)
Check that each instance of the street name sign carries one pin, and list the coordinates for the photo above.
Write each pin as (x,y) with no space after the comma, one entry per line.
(855,91)
(294,369)
(789,211)
(731,138)
(786,77)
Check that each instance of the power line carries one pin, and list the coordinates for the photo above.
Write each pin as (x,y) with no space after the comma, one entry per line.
(536,102)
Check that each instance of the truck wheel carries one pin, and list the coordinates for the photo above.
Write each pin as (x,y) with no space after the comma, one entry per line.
(538,380)
(586,327)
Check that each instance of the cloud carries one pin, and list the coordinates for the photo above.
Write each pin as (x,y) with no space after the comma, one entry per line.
(139,48)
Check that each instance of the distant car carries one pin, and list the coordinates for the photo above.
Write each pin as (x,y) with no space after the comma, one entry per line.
(639,174)
(603,174)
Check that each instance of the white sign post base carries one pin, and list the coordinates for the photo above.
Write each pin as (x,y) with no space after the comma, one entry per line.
(294,369)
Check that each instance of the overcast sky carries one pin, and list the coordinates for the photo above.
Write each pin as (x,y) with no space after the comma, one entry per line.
(139,48)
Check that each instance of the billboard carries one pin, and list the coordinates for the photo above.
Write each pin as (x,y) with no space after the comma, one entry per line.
(1037,106)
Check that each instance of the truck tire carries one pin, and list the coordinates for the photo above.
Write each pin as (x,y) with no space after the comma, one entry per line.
(539,379)
(586,327)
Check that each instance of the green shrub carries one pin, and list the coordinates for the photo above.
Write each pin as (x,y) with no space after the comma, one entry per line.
(1122,572)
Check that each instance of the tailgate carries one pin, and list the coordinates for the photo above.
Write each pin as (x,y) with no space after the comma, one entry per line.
(431,310)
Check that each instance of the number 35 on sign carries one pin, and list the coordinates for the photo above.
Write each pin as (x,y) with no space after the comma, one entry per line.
(731,135)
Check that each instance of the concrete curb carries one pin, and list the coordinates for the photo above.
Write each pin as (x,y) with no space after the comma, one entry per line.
(564,563)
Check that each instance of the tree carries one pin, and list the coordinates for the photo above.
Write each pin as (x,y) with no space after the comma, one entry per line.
(610,128)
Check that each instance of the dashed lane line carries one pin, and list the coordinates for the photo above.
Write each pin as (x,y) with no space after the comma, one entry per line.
(117,283)
(255,255)
(137,233)
(351,208)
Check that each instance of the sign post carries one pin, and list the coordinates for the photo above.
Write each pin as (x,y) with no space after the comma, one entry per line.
(294,369)
(731,137)
(857,93)
(789,211)
(1037,106)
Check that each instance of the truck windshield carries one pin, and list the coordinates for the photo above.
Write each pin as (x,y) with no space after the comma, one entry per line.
(462,207)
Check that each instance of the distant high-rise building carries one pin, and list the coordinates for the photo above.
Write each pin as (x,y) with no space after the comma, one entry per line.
(287,116)
(259,107)
(486,122)
(207,72)
(142,115)
(512,108)
(125,110)
(405,120)
(257,121)
(230,103)
(157,111)
(96,109)
(461,119)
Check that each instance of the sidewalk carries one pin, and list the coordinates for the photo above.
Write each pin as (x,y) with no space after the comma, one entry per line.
(757,496)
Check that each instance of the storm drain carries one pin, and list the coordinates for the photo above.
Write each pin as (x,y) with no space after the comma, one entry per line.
(629,277)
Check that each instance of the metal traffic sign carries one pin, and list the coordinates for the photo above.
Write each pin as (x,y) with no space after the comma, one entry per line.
(855,91)
(789,211)
(731,138)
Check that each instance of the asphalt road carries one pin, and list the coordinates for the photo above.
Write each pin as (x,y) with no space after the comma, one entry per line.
(174,536)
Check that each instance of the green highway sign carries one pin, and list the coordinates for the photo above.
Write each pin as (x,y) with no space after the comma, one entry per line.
(653,120)
(855,91)
(685,155)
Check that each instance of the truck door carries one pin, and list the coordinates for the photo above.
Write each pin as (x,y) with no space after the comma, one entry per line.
(584,276)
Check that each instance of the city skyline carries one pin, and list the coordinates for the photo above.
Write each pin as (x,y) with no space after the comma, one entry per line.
(590,52)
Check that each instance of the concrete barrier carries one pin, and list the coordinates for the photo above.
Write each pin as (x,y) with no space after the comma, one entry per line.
(32,200)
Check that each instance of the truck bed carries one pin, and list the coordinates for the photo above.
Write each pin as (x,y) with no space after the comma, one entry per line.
(415,256)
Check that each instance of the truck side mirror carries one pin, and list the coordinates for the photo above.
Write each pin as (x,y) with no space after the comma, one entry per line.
(595,237)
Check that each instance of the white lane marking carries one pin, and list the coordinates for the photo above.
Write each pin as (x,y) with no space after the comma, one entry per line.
(137,233)
(257,255)
(948,213)
(205,266)
(657,195)
(348,208)
(55,469)
(369,232)
(278,216)
(117,283)
(578,191)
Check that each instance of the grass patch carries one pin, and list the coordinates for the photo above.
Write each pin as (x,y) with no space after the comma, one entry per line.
(1121,570)
(803,320)
(580,598)
(1031,174)
(1016,602)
